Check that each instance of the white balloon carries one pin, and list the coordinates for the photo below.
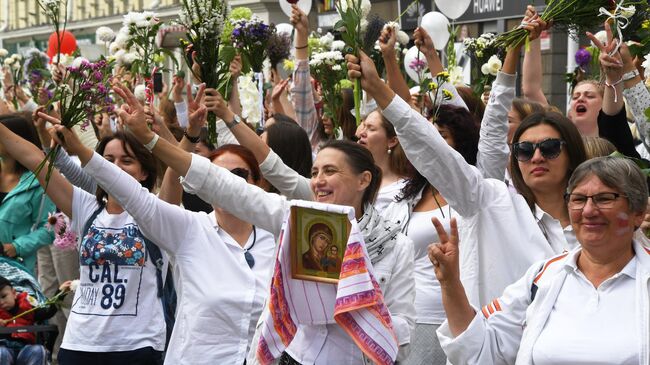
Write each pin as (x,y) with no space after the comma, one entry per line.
(410,56)
(285,28)
(453,9)
(437,25)
(304,5)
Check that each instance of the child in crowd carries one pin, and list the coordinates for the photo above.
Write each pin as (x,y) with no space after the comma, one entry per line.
(21,348)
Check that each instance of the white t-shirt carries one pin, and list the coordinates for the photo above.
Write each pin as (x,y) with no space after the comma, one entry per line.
(116,307)
(428,295)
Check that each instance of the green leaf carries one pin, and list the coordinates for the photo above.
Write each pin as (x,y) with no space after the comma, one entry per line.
(227,54)
(647,114)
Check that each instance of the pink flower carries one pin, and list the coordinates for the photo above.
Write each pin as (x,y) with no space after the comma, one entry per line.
(418,65)
(63,238)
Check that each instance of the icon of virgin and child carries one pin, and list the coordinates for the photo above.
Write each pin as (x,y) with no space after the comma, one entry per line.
(323,254)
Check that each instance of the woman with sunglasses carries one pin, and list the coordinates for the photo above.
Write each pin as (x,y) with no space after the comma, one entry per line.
(503,233)
(575,307)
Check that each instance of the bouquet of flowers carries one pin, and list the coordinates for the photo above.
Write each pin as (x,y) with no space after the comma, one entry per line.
(238,13)
(587,66)
(402,42)
(142,29)
(580,16)
(353,21)
(279,48)
(55,10)
(329,68)
(15,66)
(204,21)
(82,93)
(251,38)
(35,70)
(481,50)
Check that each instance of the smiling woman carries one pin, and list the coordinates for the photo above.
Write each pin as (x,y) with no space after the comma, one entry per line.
(607,199)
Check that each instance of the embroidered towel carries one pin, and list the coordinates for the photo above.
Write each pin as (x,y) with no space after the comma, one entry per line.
(356,303)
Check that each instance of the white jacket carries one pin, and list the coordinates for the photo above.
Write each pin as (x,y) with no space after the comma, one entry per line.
(514,322)
(500,235)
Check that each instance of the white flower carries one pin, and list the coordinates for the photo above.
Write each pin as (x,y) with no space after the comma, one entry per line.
(628,11)
(105,34)
(122,38)
(601,36)
(492,66)
(326,40)
(74,285)
(3,52)
(77,62)
(139,92)
(646,64)
(113,48)
(131,18)
(365,8)
(249,97)
(16,66)
(129,58)
(456,76)
(402,38)
(63,59)
(338,45)
(364,25)
(118,56)
(17,57)
(9,61)
(336,68)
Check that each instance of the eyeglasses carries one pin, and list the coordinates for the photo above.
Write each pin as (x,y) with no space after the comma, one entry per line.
(549,148)
(600,200)
(241,172)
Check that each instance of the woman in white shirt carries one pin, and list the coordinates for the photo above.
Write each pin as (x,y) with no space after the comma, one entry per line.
(496,224)
(118,288)
(576,307)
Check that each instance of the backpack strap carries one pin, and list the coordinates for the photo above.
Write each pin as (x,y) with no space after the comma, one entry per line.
(155,255)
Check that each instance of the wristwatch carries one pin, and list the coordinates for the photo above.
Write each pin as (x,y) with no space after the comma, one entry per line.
(235,120)
(190,138)
(630,75)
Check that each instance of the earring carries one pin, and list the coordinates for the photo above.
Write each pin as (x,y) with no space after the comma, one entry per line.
(389,151)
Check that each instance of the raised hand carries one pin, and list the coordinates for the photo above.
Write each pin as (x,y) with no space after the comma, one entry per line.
(177,88)
(235,67)
(387,40)
(279,90)
(610,59)
(196,110)
(533,23)
(133,115)
(364,69)
(444,255)
(216,104)
(63,136)
(423,41)
(299,20)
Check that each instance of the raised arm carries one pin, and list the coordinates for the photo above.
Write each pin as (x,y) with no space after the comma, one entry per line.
(461,184)
(396,81)
(28,155)
(638,99)
(531,83)
(213,184)
(171,190)
(301,92)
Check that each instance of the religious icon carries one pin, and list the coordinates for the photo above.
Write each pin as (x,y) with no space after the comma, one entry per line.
(318,243)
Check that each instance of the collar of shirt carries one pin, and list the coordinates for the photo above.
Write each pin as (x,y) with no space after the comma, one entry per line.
(571,265)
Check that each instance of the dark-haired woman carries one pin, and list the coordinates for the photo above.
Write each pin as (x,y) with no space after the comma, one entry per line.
(343,173)
(496,225)
(118,279)
(23,207)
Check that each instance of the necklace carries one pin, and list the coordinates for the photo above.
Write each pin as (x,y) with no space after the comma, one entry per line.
(250,260)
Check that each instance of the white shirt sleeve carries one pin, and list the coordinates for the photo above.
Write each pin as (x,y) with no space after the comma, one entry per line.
(638,99)
(224,135)
(460,183)
(217,186)
(494,335)
(290,183)
(165,224)
(493,151)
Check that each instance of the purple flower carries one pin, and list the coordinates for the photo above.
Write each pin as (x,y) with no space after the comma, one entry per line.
(98,75)
(418,65)
(583,57)
(86,86)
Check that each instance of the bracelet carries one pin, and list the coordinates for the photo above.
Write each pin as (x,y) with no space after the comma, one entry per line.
(303,47)
(192,139)
(149,146)
(613,86)
(630,75)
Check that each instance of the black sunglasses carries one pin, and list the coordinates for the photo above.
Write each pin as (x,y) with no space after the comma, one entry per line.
(241,172)
(549,148)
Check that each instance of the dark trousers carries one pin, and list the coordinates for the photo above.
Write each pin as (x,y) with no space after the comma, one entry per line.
(143,356)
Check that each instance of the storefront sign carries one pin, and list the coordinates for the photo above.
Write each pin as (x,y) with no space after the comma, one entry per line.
(483,10)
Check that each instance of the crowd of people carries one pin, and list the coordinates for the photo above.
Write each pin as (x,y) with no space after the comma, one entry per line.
(498,233)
